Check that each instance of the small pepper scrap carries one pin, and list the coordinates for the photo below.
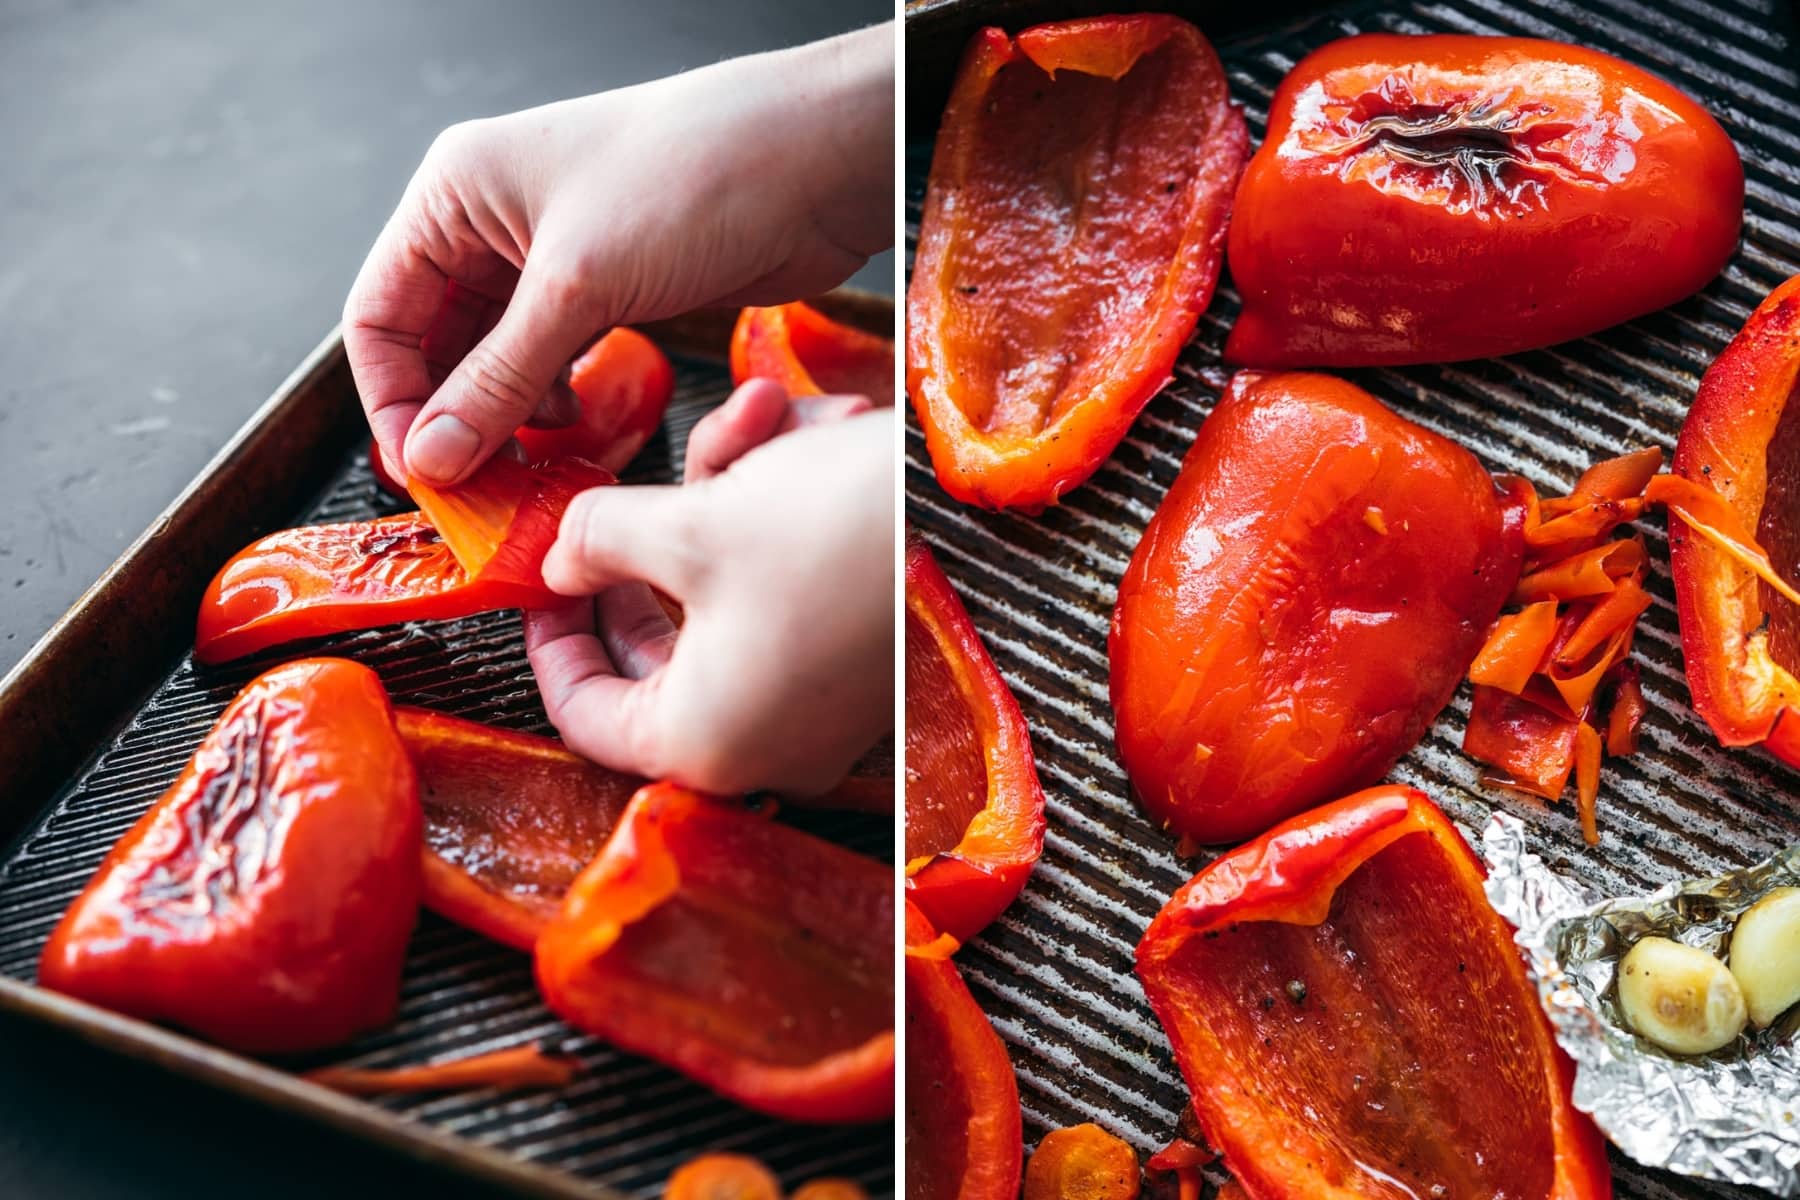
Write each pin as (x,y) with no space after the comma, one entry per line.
(266,899)
(963,1124)
(974,808)
(722,1177)
(1073,229)
(477,548)
(511,820)
(1082,1162)
(1736,484)
(1354,1021)
(809,354)
(514,1067)
(1557,672)
(746,954)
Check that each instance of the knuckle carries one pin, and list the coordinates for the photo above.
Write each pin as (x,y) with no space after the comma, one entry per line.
(498,388)
(455,143)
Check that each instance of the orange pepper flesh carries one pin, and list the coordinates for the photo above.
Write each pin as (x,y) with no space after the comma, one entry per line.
(809,354)
(624,384)
(974,807)
(515,1067)
(963,1125)
(1082,1162)
(1038,326)
(752,957)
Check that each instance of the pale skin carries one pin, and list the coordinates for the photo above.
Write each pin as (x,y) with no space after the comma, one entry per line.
(754,181)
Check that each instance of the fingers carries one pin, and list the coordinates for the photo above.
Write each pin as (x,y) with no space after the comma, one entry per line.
(637,633)
(615,535)
(601,715)
(500,382)
(393,302)
(749,417)
(823,410)
(559,409)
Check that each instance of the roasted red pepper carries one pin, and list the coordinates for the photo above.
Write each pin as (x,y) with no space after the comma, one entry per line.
(477,548)
(1430,198)
(750,956)
(1354,1020)
(1302,605)
(265,901)
(809,354)
(1074,223)
(510,821)
(974,809)
(1740,637)
(963,1126)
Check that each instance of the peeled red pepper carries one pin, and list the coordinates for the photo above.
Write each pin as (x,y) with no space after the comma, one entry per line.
(809,354)
(1073,228)
(1302,605)
(1354,1020)
(511,820)
(746,954)
(1441,197)
(963,1125)
(974,808)
(476,548)
(1740,636)
(264,902)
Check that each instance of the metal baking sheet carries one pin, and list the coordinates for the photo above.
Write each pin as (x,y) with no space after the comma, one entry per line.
(1055,971)
(626,1122)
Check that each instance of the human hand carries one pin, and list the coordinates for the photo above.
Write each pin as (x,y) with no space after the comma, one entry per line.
(782,554)
(521,237)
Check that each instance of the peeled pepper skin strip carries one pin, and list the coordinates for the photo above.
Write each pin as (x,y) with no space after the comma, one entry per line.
(1073,230)
(1516,648)
(1349,1012)
(515,1067)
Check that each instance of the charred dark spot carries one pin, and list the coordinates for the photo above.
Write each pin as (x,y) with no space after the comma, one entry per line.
(1778,532)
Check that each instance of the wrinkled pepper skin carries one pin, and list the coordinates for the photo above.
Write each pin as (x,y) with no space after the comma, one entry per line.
(511,820)
(974,807)
(1441,197)
(1354,1020)
(1302,605)
(1740,639)
(751,957)
(323,579)
(963,1126)
(1073,229)
(264,902)
(809,354)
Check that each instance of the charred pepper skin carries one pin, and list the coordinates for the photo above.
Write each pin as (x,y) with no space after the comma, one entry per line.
(266,900)
(1303,604)
(1442,197)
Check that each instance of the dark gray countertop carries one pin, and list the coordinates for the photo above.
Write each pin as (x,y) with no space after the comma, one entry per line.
(186,191)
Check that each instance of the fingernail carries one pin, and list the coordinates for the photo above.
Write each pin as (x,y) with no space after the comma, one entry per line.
(442,448)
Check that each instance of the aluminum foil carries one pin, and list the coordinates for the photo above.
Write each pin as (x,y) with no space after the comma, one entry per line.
(1732,1116)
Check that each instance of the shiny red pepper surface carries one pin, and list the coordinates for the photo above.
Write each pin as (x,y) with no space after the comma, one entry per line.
(1740,638)
(511,820)
(1073,229)
(1354,1020)
(748,955)
(1302,605)
(1440,197)
(974,808)
(476,549)
(809,354)
(264,902)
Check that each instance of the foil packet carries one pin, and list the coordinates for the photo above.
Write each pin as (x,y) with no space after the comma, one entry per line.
(1731,1116)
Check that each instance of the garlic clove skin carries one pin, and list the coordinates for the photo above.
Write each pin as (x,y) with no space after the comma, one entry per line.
(1683,999)
(1765,955)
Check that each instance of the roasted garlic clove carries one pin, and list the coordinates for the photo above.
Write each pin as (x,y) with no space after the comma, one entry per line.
(1765,955)
(1683,999)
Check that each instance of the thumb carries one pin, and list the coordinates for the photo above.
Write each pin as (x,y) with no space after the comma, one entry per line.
(501,381)
(617,534)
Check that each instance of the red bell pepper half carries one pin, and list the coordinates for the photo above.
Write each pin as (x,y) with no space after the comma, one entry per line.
(1354,1020)
(511,820)
(623,384)
(1738,463)
(751,957)
(476,548)
(974,808)
(1073,228)
(809,354)
(266,900)
(963,1125)
(1430,198)
(1302,605)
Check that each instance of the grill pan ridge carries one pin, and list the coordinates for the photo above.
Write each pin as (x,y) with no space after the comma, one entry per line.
(626,1122)
(1055,971)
